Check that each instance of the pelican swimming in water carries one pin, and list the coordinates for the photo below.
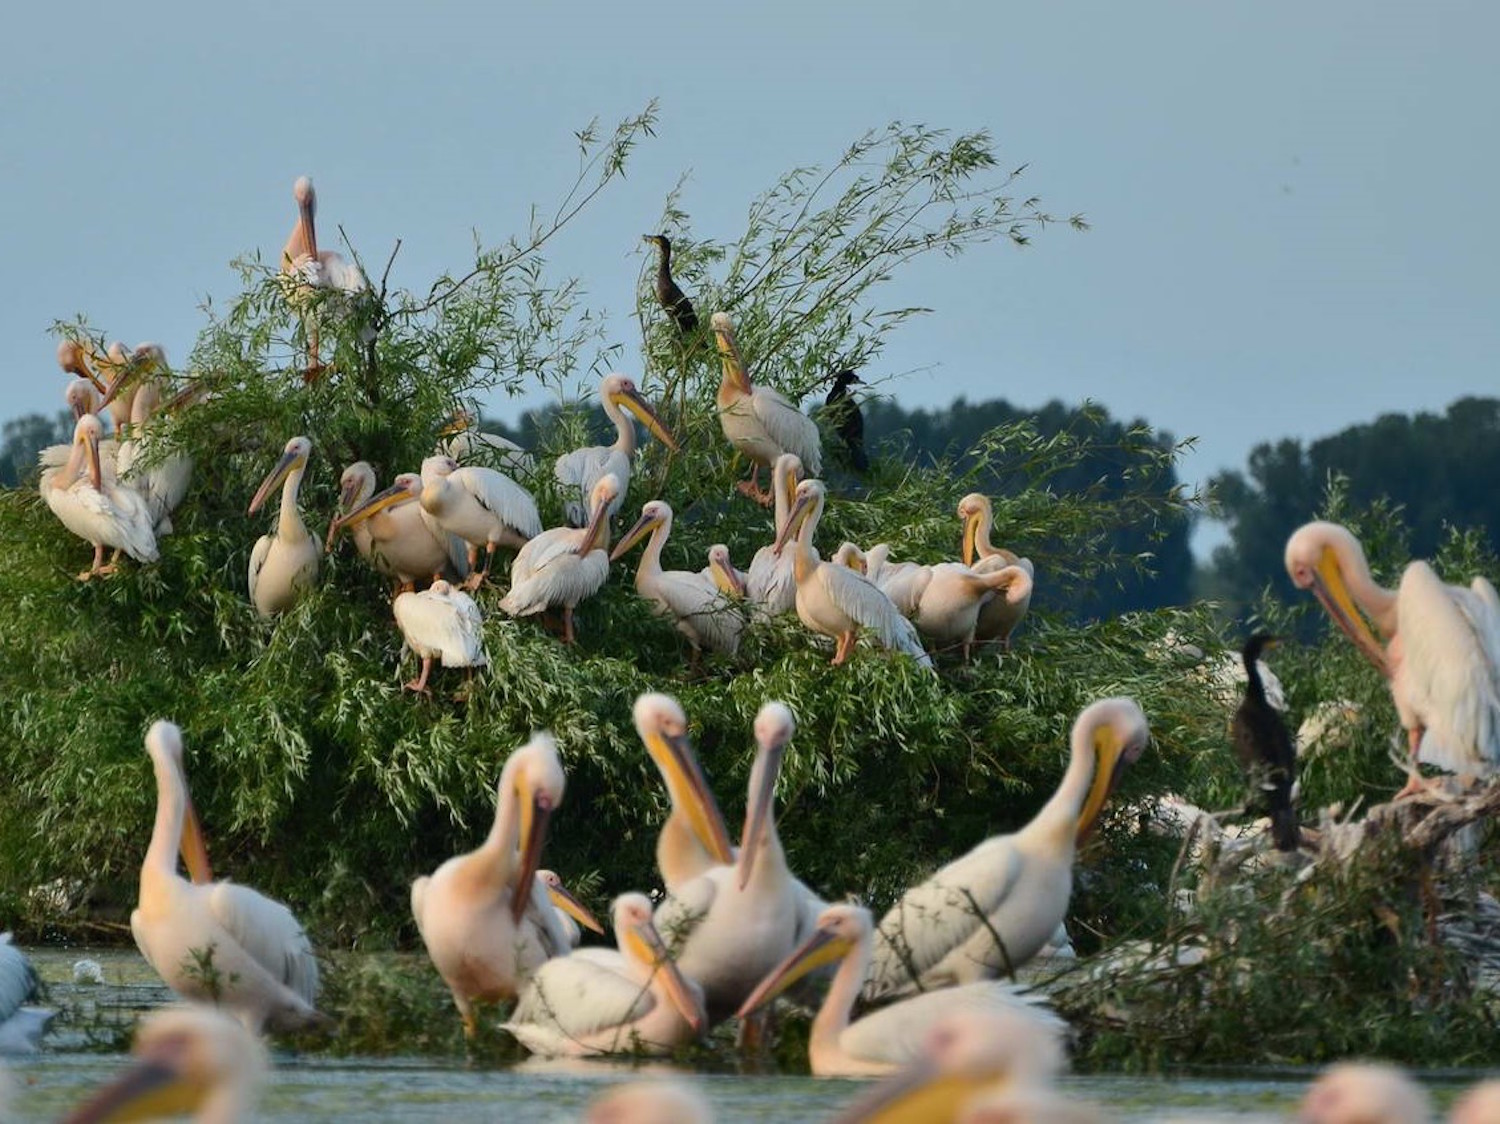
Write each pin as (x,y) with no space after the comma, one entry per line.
(564,565)
(1012,887)
(392,530)
(835,600)
(882,1042)
(95,507)
(772,582)
(579,471)
(481,506)
(601,1001)
(187,1059)
(1442,646)
(758,421)
(284,563)
(701,612)
(440,623)
(465,442)
(485,928)
(216,942)
(307,269)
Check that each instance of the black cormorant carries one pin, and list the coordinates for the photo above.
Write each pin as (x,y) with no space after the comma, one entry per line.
(672,298)
(843,413)
(1264,746)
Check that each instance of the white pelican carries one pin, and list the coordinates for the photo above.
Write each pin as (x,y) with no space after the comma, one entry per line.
(599,1001)
(306,268)
(963,1058)
(1015,887)
(701,612)
(284,563)
(722,574)
(81,398)
(465,442)
(882,1042)
(356,486)
(1000,617)
(440,623)
(758,421)
(835,600)
(100,368)
(581,469)
(694,839)
(1442,653)
(733,924)
(484,927)
(164,482)
(404,541)
(772,582)
(75,359)
(95,507)
(1365,1093)
(21,1025)
(564,565)
(480,506)
(944,600)
(216,942)
(188,1059)
(572,914)
(650,1102)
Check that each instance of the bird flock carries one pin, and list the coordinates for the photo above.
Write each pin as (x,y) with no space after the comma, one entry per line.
(736,928)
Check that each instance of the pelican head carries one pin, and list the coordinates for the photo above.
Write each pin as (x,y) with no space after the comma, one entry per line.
(852,558)
(164,747)
(356,484)
(307,205)
(406,488)
(727,579)
(70,357)
(438,466)
(1116,732)
(650,1102)
(188,1059)
(975,512)
(840,929)
(662,725)
(1317,556)
(620,390)
(88,431)
(654,514)
(293,459)
(774,726)
(1364,1093)
(808,500)
(536,780)
(81,398)
(562,898)
(639,941)
(605,492)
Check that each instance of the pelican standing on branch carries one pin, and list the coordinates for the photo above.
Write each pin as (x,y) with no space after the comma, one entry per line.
(284,563)
(995,908)
(481,506)
(95,507)
(440,623)
(465,442)
(307,269)
(403,539)
(164,482)
(216,942)
(1442,650)
(581,469)
(999,617)
(758,421)
(564,565)
(772,582)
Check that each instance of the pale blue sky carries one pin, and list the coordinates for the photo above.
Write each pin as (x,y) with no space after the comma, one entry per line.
(1291,202)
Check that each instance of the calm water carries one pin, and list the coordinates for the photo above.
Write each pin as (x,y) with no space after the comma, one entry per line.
(403,1089)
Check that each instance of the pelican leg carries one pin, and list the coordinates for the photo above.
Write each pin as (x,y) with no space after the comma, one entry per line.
(476,575)
(753,1032)
(314,367)
(97,567)
(419,684)
(844,648)
(752,487)
(1414,782)
(568,637)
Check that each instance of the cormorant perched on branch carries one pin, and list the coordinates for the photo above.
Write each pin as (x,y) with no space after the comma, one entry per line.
(1264,746)
(848,422)
(672,298)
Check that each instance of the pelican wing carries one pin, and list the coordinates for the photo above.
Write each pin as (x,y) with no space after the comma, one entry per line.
(488,449)
(771,581)
(582,469)
(502,497)
(699,608)
(581,995)
(566,579)
(896,1034)
(268,932)
(904,583)
(788,427)
(936,916)
(333,272)
(258,558)
(541,551)
(128,518)
(449,625)
(862,602)
(684,908)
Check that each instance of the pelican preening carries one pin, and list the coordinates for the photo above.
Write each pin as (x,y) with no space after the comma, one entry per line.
(308,269)
(758,421)
(1000,616)
(566,564)
(668,294)
(95,507)
(401,539)
(1442,646)
(579,471)
(945,600)
(698,607)
(216,942)
(599,1001)
(993,909)
(484,926)
(163,481)
(481,506)
(440,623)
(284,563)
(1264,746)
(771,585)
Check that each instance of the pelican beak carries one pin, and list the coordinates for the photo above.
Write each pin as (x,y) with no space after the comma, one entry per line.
(96,474)
(1328,587)
(793,518)
(728,580)
(284,467)
(1114,757)
(347,493)
(674,756)
(193,848)
(758,814)
(123,375)
(189,394)
(536,811)
(390,497)
(70,358)
(148,1090)
(818,950)
(561,897)
(632,401)
(971,534)
(729,355)
(643,525)
(916,1094)
(309,232)
(598,524)
(653,950)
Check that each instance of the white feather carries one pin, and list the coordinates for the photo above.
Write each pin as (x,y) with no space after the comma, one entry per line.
(442,623)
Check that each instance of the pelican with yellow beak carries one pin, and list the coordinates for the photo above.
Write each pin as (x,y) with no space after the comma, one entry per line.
(216,942)
(1442,646)
(1000,616)
(1013,887)
(708,618)
(284,563)
(564,565)
(485,928)
(96,507)
(758,421)
(392,530)
(581,469)
(483,507)
(572,914)
(601,1001)
(884,1041)
(694,839)
(162,480)
(187,1059)
(305,269)
(772,582)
